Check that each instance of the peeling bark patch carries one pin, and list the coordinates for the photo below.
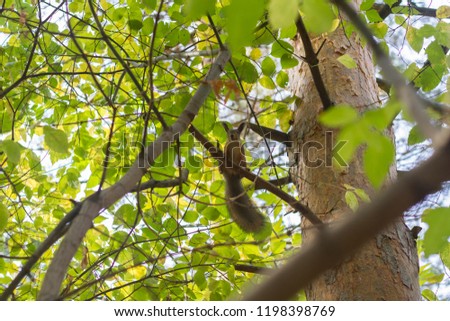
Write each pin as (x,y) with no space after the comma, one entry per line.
(389,256)
(406,279)
(330,277)
(388,253)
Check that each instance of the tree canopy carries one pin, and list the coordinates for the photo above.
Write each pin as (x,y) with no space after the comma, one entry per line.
(95,94)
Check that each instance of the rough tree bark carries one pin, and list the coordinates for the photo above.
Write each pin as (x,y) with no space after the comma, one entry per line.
(386,268)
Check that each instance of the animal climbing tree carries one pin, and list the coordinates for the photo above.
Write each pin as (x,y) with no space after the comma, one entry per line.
(111,142)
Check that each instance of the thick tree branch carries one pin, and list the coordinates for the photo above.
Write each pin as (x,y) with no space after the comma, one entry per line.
(277,182)
(332,246)
(385,10)
(270,133)
(263,184)
(105,198)
(313,64)
(252,269)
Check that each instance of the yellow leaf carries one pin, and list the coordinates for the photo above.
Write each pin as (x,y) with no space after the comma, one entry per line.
(443,12)
(255,54)
(137,272)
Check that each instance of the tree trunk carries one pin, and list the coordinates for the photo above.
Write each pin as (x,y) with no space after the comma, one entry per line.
(386,268)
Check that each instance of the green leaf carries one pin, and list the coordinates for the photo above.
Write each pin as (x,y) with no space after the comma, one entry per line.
(56,139)
(428,79)
(443,12)
(379,29)
(206,118)
(147,26)
(351,200)
(390,2)
(248,72)
(190,216)
(194,163)
(151,4)
(195,9)
(211,213)
(378,157)
(75,6)
(125,214)
(282,79)
(280,48)
(427,31)
(347,61)
(435,54)
(297,239)
(117,13)
(264,233)
(200,280)
(241,19)
(5,120)
(381,118)
(278,246)
(282,13)
(366,5)
(287,61)
(428,275)
(284,116)
(135,18)
(445,255)
(267,82)
(436,237)
(400,20)
(429,295)
(288,32)
(351,136)
(443,30)
(135,24)
(362,195)
(198,239)
(12,150)
(414,39)
(268,66)
(4,216)
(318,15)
(373,16)
(338,116)
(255,54)
(415,136)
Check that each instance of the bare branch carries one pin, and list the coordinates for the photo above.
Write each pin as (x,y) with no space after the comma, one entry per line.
(385,10)
(252,269)
(277,182)
(271,134)
(163,184)
(313,64)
